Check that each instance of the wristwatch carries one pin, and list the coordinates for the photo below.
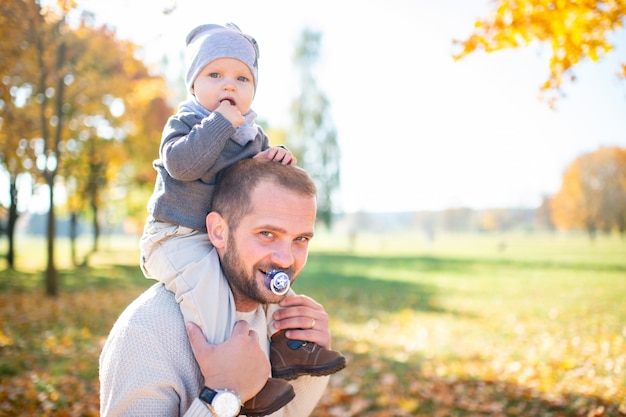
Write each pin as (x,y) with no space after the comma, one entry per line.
(222,402)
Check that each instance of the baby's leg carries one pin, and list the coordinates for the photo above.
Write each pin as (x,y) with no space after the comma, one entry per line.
(184,260)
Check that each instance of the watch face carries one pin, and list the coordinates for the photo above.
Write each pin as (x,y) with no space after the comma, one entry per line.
(226,404)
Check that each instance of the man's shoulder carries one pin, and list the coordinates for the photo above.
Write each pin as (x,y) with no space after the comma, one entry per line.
(155,312)
(147,362)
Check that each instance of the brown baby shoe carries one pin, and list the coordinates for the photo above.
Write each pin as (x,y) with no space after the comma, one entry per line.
(293,358)
(274,395)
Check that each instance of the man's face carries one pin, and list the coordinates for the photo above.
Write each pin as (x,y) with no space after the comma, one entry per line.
(274,235)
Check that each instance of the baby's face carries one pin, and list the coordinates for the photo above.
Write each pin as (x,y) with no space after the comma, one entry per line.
(225,79)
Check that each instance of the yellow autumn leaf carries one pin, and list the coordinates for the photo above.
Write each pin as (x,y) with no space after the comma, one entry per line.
(5,340)
(573,31)
(408,404)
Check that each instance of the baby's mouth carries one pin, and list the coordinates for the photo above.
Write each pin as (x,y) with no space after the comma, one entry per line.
(230,100)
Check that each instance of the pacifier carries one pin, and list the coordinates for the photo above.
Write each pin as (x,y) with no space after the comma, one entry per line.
(277,281)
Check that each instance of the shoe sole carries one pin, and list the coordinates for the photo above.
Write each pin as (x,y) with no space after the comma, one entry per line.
(276,405)
(294,372)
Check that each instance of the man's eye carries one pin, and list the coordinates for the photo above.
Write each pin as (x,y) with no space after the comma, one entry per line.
(267,234)
(303,239)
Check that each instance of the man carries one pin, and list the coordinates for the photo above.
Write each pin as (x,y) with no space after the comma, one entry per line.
(263,218)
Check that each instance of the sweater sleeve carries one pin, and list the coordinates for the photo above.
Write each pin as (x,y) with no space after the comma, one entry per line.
(198,409)
(309,390)
(190,147)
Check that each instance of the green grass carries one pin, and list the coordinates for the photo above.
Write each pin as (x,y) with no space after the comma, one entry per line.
(538,323)
(528,325)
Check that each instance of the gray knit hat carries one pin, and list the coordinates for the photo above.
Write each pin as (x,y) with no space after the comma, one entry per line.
(209,42)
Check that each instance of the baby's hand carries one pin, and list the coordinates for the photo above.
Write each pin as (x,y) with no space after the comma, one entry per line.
(231,113)
(278,154)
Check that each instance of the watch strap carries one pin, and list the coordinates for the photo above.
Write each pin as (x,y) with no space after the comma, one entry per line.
(207,395)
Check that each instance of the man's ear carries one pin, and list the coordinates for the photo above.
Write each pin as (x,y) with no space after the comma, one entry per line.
(217,229)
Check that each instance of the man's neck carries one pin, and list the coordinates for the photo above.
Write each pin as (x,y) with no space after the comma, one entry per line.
(244,305)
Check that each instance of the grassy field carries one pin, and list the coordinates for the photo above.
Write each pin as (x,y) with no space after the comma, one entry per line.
(511,325)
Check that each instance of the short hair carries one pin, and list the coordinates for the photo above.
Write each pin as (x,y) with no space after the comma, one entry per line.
(231,198)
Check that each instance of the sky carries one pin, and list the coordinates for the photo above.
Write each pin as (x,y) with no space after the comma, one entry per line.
(417,131)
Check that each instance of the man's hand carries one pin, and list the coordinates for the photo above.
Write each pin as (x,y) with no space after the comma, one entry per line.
(305,318)
(238,364)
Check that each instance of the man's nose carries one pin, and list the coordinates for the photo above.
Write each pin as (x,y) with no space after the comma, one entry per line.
(282,256)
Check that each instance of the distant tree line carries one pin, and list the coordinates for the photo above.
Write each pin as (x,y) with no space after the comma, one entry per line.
(592,198)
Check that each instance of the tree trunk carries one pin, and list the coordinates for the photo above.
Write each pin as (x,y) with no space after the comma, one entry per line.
(52,285)
(73,234)
(12,221)
(93,203)
(96,224)
(591,230)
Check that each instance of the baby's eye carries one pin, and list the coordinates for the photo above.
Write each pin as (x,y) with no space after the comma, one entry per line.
(214,75)
(243,79)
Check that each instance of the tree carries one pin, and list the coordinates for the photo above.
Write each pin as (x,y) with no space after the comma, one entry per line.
(42,38)
(148,108)
(574,31)
(114,106)
(593,193)
(17,120)
(314,138)
(67,87)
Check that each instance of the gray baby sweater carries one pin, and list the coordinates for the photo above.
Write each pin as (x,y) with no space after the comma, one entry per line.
(194,149)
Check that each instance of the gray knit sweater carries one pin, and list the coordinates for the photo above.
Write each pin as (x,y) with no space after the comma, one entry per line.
(147,367)
(194,149)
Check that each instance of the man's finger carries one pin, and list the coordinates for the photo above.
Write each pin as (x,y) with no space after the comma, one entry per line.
(195,335)
(242,328)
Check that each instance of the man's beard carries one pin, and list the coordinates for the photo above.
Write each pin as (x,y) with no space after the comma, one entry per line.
(244,282)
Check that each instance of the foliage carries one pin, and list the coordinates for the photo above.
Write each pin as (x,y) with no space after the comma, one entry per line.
(574,31)
(17,121)
(49,346)
(314,138)
(455,329)
(593,192)
(75,103)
